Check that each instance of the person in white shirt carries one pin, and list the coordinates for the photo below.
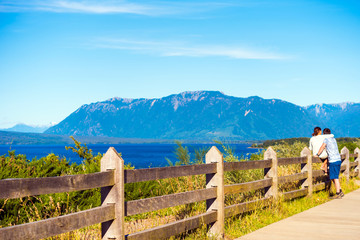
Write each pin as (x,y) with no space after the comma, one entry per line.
(315,143)
(332,149)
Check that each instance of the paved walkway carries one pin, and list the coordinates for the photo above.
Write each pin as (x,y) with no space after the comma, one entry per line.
(337,219)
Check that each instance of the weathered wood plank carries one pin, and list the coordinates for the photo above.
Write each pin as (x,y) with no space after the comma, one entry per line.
(272,172)
(353,164)
(248,186)
(54,226)
(246,165)
(216,230)
(316,160)
(156,203)
(295,194)
(357,159)
(140,175)
(307,168)
(292,178)
(319,187)
(247,206)
(294,160)
(174,228)
(114,195)
(318,173)
(346,162)
(322,178)
(22,187)
(342,168)
(353,155)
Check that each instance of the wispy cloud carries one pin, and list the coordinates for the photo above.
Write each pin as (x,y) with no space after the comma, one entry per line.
(177,48)
(95,7)
(110,6)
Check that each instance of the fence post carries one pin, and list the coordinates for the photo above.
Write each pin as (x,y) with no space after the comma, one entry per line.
(113,229)
(271,172)
(346,162)
(357,151)
(307,167)
(216,229)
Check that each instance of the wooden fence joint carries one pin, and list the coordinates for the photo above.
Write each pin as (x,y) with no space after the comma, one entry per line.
(271,172)
(307,167)
(216,229)
(346,162)
(114,229)
(357,159)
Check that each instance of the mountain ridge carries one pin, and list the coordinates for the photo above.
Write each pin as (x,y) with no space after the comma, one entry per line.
(24,128)
(204,115)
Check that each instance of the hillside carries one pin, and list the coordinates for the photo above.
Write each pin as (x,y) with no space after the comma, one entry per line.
(26,128)
(189,115)
(343,118)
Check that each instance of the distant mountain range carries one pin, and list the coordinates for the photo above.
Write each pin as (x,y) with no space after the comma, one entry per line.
(343,118)
(206,115)
(26,128)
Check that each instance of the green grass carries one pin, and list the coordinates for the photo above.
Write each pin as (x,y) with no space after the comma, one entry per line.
(249,222)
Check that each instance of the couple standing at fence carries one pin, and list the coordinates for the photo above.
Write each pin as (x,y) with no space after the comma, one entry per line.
(325,147)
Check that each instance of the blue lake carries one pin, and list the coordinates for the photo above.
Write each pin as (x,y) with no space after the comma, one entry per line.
(139,155)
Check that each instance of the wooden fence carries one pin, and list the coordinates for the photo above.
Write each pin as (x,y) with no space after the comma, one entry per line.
(114,208)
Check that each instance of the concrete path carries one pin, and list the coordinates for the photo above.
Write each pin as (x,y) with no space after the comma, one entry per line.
(337,219)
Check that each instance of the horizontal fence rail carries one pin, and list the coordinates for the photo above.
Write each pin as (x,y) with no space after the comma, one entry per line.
(249,186)
(295,194)
(319,187)
(140,175)
(156,203)
(292,178)
(290,161)
(174,228)
(114,208)
(247,165)
(55,226)
(23,187)
(247,206)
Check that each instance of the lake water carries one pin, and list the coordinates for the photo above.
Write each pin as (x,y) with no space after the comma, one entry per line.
(139,155)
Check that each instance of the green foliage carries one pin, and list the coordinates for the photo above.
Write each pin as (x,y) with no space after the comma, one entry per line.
(17,211)
(234,177)
(182,154)
(349,145)
(286,149)
(288,141)
(82,151)
(28,209)
(139,190)
(200,155)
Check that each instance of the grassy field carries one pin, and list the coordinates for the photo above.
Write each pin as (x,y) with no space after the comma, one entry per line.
(18,211)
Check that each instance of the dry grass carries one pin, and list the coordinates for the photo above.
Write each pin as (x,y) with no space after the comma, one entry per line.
(236,226)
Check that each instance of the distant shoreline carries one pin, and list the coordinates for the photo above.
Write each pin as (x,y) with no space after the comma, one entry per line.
(139,155)
(18,138)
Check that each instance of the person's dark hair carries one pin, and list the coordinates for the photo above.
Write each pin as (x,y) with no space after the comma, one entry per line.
(316,131)
(327,131)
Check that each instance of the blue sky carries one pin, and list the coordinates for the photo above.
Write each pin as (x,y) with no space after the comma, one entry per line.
(58,55)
